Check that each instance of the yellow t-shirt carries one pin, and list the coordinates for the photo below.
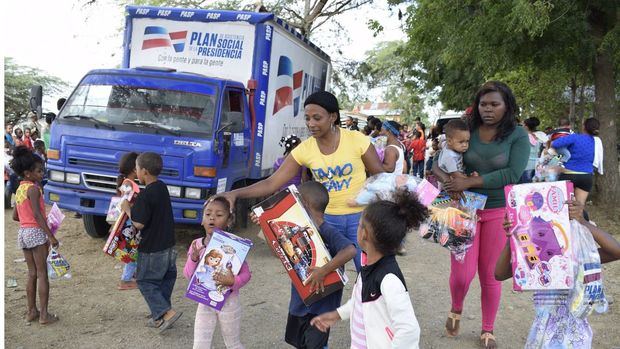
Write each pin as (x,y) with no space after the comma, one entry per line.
(343,173)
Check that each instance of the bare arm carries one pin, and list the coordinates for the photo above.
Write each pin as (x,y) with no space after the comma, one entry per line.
(503,270)
(267,186)
(610,247)
(389,159)
(371,161)
(15,214)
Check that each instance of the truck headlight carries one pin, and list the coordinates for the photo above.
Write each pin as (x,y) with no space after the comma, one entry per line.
(57,176)
(174,191)
(73,178)
(193,193)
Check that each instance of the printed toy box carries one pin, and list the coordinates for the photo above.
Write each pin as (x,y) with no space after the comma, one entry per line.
(542,257)
(295,239)
(224,254)
(124,239)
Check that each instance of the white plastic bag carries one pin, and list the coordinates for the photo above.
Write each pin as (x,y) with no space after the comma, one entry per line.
(57,265)
(587,295)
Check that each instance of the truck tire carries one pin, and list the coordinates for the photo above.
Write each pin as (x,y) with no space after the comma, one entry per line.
(95,226)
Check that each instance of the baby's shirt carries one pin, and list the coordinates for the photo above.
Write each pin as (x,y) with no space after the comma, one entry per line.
(450,161)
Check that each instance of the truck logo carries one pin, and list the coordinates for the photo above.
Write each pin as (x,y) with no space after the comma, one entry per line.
(288,86)
(155,36)
(187,143)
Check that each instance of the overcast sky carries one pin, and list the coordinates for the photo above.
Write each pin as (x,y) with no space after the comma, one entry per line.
(67,40)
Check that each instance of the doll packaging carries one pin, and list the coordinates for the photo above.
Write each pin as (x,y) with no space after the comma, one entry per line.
(123,240)
(542,255)
(225,253)
(296,241)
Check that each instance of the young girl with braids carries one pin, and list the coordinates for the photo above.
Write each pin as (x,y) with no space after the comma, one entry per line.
(217,216)
(380,309)
(34,236)
(127,170)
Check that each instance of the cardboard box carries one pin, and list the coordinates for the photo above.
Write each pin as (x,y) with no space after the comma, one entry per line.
(124,239)
(296,241)
(224,253)
(541,251)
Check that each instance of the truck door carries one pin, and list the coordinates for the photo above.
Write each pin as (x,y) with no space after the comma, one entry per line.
(234,137)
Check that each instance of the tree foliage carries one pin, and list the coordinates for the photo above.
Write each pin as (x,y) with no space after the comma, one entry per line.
(546,50)
(18,80)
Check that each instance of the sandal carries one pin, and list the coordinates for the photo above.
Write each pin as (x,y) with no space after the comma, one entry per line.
(453,329)
(127,285)
(168,323)
(154,323)
(487,337)
(51,318)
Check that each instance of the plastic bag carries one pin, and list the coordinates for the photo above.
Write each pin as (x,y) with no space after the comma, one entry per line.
(54,219)
(57,265)
(380,143)
(382,186)
(547,168)
(452,223)
(588,293)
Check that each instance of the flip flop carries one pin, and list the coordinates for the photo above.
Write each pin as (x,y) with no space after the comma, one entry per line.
(154,323)
(51,318)
(167,323)
(123,287)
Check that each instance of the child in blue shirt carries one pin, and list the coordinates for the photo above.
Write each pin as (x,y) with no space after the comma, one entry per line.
(299,332)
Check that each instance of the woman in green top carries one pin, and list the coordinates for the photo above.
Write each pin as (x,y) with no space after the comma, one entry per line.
(498,152)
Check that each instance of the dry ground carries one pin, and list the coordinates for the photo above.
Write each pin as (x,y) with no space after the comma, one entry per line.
(94,314)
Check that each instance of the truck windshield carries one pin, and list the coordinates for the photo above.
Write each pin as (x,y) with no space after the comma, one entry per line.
(176,111)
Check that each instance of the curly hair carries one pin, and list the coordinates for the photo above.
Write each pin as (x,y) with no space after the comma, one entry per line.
(24,160)
(390,221)
(509,121)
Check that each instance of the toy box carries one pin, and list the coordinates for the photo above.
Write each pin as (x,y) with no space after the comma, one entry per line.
(124,239)
(296,241)
(224,254)
(542,257)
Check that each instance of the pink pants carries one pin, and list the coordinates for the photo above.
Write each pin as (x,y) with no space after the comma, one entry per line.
(482,256)
(230,324)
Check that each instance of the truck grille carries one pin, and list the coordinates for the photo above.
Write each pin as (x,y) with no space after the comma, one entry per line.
(99,182)
(113,167)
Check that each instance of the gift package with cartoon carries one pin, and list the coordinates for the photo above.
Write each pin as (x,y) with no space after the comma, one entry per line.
(295,239)
(54,219)
(542,255)
(452,223)
(225,253)
(124,239)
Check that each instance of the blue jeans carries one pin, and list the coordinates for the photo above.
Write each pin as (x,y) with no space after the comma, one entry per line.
(527,176)
(564,153)
(156,275)
(418,168)
(128,271)
(347,225)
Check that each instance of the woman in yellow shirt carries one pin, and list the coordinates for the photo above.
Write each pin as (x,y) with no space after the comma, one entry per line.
(338,158)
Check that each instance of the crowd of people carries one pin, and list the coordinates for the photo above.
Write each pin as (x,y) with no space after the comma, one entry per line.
(482,152)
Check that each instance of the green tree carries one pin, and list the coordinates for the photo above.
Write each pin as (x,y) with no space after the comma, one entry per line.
(457,45)
(18,80)
(385,67)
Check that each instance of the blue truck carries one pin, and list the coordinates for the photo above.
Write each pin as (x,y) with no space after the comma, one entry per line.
(211,91)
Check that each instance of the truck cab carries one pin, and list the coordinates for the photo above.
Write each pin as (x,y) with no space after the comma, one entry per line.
(199,125)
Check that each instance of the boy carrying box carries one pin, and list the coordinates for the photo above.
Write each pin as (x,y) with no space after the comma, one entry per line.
(152,214)
(299,332)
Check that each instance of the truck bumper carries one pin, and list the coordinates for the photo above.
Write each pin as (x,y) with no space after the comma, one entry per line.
(95,203)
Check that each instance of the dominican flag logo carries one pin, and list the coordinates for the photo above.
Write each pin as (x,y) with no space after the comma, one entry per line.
(155,36)
(288,88)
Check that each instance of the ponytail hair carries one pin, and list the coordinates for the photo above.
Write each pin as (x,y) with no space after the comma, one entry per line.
(126,165)
(592,126)
(390,221)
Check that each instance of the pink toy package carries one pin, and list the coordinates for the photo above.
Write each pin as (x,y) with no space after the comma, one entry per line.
(541,253)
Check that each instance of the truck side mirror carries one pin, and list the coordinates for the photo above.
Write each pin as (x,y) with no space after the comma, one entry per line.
(36,99)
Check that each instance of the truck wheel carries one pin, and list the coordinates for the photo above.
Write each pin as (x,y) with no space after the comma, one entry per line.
(96,226)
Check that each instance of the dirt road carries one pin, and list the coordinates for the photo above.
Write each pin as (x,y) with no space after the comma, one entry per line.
(94,314)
